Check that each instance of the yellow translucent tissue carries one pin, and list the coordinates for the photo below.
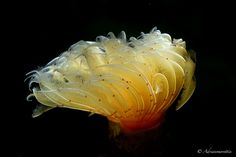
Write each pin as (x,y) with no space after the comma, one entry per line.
(131,82)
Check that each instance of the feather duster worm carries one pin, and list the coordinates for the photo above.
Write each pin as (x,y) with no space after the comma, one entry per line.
(132,83)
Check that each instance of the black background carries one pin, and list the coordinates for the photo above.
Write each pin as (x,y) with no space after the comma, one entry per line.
(40,31)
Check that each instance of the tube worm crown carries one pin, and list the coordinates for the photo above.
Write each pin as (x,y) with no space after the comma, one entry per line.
(131,82)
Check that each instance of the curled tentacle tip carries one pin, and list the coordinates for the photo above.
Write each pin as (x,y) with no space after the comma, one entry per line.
(122,36)
(111,35)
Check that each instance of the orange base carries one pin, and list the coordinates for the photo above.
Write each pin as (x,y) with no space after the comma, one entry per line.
(139,126)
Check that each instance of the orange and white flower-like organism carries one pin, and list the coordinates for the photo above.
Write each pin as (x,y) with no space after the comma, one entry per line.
(131,82)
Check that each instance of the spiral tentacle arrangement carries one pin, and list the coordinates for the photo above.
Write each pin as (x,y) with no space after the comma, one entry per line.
(131,82)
